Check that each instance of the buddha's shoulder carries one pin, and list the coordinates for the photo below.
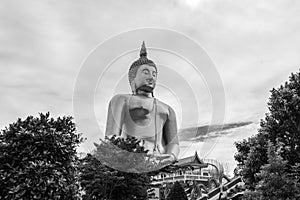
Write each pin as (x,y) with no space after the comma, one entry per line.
(165,106)
(120,98)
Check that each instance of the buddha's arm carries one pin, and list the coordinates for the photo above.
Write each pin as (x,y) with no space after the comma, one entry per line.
(115,116)
(170,134)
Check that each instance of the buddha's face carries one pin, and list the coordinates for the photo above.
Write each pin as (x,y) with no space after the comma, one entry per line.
(145,78)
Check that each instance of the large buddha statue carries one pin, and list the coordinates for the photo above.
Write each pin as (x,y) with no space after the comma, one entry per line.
(143,116)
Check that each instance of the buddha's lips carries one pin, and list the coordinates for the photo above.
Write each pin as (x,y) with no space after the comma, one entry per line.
(146,88)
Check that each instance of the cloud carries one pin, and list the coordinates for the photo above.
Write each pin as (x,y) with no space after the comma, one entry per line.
(219,147)
(254,44)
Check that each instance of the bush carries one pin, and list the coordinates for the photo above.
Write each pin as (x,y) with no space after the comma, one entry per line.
(100,181)
(38,159)
(177,192)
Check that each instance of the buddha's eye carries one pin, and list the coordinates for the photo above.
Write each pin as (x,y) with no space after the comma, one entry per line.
(154,74)
(145,71)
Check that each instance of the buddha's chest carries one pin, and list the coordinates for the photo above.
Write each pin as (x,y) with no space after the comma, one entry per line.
(140,103)
(144,110)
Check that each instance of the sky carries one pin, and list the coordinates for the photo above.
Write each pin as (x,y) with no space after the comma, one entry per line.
(254,46)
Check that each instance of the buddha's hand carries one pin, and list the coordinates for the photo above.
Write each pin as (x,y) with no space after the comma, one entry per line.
(165,159)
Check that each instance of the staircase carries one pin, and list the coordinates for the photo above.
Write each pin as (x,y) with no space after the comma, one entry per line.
(214,194)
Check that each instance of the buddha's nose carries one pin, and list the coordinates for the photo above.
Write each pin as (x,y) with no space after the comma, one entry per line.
(150,79)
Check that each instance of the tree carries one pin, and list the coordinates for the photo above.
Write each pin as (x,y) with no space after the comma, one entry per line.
(281,125)
(251,156)
(177,192)
(38,159)
(275,183)
(97,180)
(101,181)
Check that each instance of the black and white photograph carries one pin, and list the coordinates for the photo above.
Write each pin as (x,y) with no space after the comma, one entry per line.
(150,100)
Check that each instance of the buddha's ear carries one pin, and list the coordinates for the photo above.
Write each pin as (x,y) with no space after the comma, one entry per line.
(133,87)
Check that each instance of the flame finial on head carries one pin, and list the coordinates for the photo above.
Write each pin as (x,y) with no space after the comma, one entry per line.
(143,52)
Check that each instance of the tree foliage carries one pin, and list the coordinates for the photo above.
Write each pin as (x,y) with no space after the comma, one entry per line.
(38,159)
(177,192)
(100,181)
(281,127)
(251,156)
(275,183)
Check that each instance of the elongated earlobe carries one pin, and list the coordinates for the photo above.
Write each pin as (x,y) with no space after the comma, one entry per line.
(133,88)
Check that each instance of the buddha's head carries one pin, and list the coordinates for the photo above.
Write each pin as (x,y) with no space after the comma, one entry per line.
(142,73)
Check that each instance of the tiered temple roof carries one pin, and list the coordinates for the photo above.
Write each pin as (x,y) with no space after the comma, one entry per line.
(194,161)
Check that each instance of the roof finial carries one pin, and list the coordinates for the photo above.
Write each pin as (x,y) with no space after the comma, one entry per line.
(143,52)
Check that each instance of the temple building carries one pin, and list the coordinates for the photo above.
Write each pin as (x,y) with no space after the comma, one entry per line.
(201,179)
(192,169)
